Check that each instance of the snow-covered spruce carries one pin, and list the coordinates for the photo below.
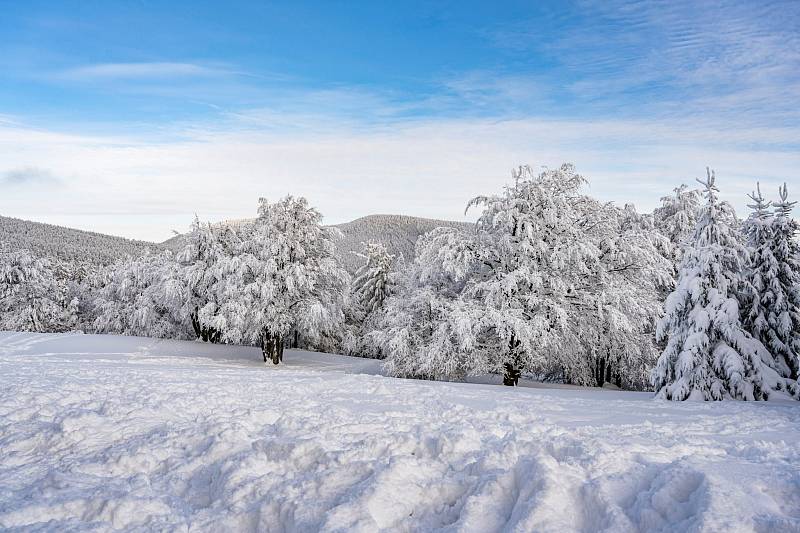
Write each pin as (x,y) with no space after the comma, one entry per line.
(282,281)
(709,355)
(783,317)
(550,281)
(372,282)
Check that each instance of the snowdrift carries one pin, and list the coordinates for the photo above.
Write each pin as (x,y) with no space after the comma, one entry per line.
(102,432)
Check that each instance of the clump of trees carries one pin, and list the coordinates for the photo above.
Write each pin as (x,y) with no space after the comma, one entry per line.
(549,282)
(710,354)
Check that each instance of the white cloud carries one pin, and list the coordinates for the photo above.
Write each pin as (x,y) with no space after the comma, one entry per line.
(140,71)
(144,189)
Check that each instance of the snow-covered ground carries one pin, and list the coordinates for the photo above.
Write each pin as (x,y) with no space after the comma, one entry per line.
(102,432)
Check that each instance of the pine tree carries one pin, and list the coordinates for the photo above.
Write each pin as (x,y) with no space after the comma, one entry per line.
(709,355)
(371,284)
(756,289)
(783,317)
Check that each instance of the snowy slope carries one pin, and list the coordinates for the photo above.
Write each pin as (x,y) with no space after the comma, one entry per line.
(101,432)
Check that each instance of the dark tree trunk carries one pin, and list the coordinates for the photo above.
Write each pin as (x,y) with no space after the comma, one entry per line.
(512,368)
(511,376)
(206,334)
(600,374)
(196,324)
(272,347)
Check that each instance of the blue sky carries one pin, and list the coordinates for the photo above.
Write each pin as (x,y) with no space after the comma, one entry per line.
(128,117)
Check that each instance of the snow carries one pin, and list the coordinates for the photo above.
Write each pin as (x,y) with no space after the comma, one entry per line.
(100,432)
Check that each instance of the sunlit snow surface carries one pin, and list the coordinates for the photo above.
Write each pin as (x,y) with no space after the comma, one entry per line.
(105,432)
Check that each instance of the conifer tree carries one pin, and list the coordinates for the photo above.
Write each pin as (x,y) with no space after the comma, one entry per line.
(709,355)
(371,284)
(783,317)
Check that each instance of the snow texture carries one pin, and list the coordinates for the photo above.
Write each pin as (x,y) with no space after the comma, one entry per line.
(105,432)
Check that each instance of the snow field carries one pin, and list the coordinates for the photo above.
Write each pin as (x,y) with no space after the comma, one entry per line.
(104,432)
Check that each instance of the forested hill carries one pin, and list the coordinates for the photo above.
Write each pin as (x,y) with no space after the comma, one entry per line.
(399,233)
(48,240)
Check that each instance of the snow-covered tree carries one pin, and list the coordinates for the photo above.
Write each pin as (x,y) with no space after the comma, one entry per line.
(678,215)
(757,296)
(199,271)
(415,329)
(372,282)
(142,296)
(369,289)
(283,280)
(709,355)
(782,288)
(549,281)
(32,298)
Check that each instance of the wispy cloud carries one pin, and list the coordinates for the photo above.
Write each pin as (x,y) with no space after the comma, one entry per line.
(669,58)
(110,71)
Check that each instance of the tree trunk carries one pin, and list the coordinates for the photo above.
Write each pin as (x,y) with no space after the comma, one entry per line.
(511,376)
(600,374)
(272,347)
(196,324)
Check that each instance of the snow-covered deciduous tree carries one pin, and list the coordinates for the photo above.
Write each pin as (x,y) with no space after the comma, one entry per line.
(32,298)
(550,281)
(283,280)
(677,216)
(199,264)
(142,296)
(416,327)
(709,355)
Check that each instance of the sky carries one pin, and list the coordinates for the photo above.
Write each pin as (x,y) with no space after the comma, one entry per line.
(131,117)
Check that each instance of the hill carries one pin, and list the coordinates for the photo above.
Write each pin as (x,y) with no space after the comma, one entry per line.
(67,244)
(398,232)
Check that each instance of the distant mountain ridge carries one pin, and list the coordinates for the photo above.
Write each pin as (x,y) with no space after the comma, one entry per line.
(67,244)
(399,233)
